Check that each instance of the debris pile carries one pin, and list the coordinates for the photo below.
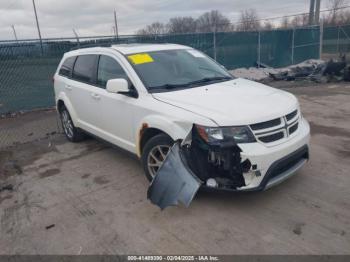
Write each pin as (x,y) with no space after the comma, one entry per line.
(313,69)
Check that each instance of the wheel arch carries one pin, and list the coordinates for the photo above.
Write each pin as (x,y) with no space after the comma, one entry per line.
(153,126)
(147,134)
(64,101)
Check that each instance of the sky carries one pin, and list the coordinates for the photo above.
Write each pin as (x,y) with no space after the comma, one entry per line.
(95,17)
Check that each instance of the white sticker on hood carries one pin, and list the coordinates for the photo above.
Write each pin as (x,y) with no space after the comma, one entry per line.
(196,53)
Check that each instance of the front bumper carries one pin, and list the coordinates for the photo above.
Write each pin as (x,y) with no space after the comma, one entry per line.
(267,158)
(298,160)
(278,172)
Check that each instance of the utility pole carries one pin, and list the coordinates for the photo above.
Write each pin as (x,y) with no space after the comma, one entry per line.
(14,32)
(317,13)
(116,25)
(37,25)
(77,37)
(312,12)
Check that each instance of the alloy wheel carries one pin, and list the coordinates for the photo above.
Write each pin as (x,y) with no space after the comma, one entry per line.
(156,158)
(67,124)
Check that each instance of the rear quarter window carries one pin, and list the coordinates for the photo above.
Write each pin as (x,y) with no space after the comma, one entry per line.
(67,66)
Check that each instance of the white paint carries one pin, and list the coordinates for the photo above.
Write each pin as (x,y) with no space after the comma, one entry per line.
(196,53)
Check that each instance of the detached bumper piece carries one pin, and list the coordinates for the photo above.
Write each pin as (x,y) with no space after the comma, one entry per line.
(195,163)
(174,182)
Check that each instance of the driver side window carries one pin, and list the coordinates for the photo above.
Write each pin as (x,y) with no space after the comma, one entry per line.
(109,68)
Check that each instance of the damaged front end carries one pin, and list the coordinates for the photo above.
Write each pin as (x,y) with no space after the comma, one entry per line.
(199,161)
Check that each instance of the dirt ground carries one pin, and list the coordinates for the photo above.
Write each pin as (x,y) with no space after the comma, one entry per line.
(89,198)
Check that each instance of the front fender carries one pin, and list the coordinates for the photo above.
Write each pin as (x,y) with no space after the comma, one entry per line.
(174,128)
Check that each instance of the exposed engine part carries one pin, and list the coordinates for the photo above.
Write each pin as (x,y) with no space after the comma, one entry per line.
(211,182)
(220,159)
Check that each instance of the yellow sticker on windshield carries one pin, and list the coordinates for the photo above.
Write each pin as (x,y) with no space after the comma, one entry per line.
(140,59)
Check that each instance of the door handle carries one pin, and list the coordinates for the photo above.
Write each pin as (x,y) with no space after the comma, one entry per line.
(95,96)
(68,87)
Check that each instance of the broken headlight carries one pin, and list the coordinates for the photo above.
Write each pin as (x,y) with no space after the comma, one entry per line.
(241,134)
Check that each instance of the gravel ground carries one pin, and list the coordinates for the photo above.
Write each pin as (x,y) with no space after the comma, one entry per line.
(89,198)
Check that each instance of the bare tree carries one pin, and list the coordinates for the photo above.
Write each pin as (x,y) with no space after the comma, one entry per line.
(181,25)
(285,23)
(300,20)
(345,17)
(213,21)
(249,21)
(268,25)
(334,6)
(156,28)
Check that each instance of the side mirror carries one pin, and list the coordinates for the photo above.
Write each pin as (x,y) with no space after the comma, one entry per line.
(118,86)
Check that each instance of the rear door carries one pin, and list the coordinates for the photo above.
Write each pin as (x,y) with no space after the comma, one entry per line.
(81,90)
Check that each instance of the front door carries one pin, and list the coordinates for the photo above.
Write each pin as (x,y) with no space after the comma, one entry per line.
(113,113)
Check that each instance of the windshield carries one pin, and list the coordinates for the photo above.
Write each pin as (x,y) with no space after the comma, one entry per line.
(177,69)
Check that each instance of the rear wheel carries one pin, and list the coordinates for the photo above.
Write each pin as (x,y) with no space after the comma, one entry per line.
(72,133)
(154,153)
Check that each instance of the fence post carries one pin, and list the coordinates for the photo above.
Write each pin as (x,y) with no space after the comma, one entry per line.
(338,39)
(321,39)
(259,49)
(214,43)
(293,45)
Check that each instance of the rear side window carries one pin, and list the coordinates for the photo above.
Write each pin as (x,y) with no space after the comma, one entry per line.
(67,67)
(109,68)
(85,68)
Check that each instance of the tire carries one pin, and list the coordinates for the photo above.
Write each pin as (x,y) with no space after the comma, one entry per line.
(157,147)
(72,133)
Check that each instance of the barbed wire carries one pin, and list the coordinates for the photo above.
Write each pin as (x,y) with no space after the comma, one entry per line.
(285,16)
(218,24)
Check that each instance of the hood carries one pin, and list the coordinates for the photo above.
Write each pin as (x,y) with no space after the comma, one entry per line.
(236,102)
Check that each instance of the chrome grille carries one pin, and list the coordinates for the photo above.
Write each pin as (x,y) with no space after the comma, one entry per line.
(277,129)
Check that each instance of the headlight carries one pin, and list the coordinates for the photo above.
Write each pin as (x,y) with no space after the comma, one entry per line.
(241,134)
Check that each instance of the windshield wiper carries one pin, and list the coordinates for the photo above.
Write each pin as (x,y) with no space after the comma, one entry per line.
(210,79)
(201,81)
(169,86)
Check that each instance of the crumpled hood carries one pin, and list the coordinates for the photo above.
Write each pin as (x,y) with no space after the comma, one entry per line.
(236,102)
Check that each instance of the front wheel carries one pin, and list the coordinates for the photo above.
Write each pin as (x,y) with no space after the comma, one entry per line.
(154,153)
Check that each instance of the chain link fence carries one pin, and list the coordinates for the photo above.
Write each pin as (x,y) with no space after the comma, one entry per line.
(27,66)
(336,42)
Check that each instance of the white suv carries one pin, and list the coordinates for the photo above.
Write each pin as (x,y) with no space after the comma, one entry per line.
(192,124)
